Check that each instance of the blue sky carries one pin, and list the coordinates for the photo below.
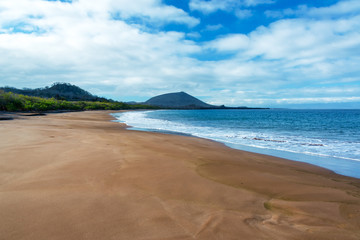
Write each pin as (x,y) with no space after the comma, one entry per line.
(270,53)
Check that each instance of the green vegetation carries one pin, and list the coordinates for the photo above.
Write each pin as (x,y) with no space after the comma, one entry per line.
(59,91)
(268,206)
(13,102)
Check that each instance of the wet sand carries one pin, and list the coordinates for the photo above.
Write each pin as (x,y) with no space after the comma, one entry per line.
(81,176)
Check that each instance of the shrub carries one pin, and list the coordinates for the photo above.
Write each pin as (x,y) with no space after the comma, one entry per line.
(16,102)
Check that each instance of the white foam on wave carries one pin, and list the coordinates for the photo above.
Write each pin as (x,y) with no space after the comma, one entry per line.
(264,140)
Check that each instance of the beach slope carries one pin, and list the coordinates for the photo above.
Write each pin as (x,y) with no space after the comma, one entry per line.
(81,176)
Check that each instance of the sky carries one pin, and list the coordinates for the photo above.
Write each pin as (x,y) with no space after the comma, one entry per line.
(256,53)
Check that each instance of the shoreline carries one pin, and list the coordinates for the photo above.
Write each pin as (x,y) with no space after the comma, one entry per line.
(343,166)
(286,155)
(79,175)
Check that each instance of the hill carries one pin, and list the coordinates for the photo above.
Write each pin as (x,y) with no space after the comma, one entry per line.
(178,100)
(60,91)
(60,96)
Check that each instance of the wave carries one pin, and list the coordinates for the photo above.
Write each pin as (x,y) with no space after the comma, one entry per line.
(258,139)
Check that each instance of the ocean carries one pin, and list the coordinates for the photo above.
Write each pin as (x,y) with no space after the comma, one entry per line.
(326,138)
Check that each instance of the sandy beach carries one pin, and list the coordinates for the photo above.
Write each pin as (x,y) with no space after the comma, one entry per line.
(80,176)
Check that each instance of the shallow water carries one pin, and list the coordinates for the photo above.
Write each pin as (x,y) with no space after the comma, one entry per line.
(327,138)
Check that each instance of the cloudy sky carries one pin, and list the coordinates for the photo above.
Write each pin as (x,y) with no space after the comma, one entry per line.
(298,53)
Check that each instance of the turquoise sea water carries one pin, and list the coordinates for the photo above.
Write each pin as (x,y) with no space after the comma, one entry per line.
(327,138)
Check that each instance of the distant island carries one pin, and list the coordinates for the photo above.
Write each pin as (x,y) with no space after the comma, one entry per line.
(178,100)
(64,96)
(182,100)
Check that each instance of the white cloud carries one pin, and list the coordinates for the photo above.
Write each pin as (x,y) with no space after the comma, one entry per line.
(82,44)
(152,9)
(193,35)
(284,97)
(213,27)
(341,8)
(233,42)
(257,2)
(316,53)
(224,5)
(209,6)
(337,10)
(318,100)
(243,13)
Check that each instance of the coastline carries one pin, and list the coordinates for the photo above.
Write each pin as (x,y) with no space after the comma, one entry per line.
(78,175)
(340,156)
